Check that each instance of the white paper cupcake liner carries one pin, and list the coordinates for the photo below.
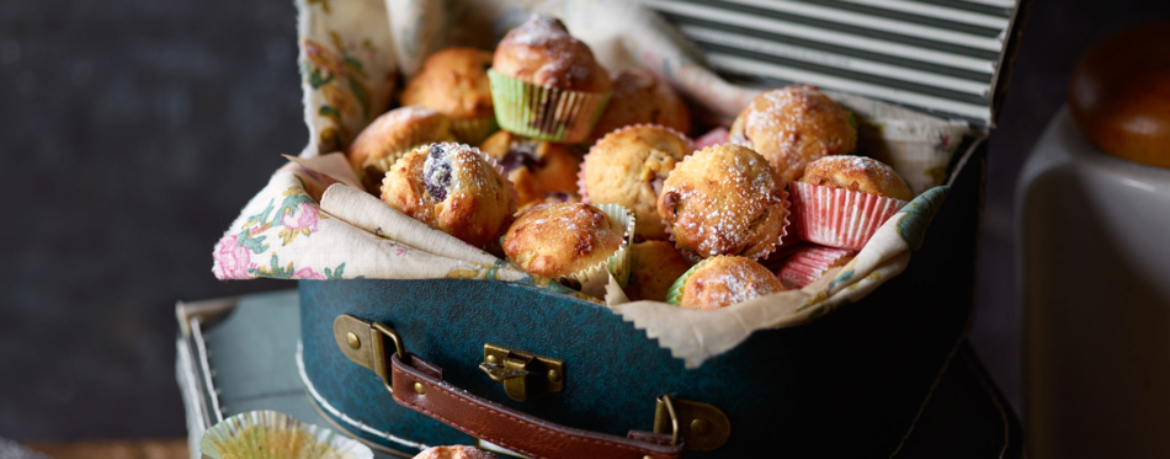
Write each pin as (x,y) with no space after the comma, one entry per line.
(592,280)
(269,435)
(837,217)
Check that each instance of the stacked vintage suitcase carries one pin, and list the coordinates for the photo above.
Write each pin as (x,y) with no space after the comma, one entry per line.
(553,376)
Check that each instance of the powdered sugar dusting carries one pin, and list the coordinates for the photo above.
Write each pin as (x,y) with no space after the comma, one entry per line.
(729,204)
(545,38)
(725,281)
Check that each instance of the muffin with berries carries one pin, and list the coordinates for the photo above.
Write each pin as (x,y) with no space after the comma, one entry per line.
(454,188)
(537,167)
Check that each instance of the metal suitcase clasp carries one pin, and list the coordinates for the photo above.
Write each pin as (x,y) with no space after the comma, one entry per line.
(524,376)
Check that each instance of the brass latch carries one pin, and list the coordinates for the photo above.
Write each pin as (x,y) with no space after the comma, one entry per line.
(524,376)
(703,426)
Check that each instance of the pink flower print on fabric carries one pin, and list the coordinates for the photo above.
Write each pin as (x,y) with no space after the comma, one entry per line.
(308,273)
(232,260)
(303,221)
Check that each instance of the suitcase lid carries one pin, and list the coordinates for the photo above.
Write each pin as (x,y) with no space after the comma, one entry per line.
(950,58)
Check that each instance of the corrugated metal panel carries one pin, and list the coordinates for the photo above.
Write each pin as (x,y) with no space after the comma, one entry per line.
(936,55)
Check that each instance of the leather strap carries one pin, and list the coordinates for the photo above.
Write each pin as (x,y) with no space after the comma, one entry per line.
(512,429)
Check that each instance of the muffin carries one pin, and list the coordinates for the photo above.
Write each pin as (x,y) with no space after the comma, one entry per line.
(641,98)
(722,281)
(546,84)
(575,242)
(793,126)
(655,265)
(454,82)
(808,264)
(454,188)
(392,135)
(857,173)
(724,200)
(629,166)
(842,200)
(536,167)
(454,452)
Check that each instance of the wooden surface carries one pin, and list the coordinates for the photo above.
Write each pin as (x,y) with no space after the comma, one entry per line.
(115,449)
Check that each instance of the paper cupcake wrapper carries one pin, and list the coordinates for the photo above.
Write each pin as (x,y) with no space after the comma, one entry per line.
(474,131)
(837,217)
(674,294)
(593,280)
(271,435)
(546,113)
(809,264)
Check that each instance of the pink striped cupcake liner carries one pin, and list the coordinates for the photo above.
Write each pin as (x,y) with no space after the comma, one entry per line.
(810,263)
(837,217)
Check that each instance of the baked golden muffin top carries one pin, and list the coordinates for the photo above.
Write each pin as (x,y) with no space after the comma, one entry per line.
(453,82)
(641,98)
(542,52)
(555,240)
(724,200)
(793,126)
(857,173)
(629,167)
(723,281)
(535,167)
(394,134)
(454,188)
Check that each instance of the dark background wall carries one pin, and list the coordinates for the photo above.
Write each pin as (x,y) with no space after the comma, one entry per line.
(133,131)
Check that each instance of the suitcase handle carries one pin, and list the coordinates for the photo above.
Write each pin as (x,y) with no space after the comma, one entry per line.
(419,385)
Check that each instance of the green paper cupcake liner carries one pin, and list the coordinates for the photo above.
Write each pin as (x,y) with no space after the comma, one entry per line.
(546,113)
(594,279)
(273,435)
(474,131)
(674,294)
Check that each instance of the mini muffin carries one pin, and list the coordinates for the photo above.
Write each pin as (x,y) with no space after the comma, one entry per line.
(793,126)
(724,200)
(719,282)
(536,167)
(454,452)
(857,173)
(655,267)
(571,241)
(629,166)
(454,188)
(641,98)
(547,84)
(842,200)
(454,82)
(391,136)
(549,198)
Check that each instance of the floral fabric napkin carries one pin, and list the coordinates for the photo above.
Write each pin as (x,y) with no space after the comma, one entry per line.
(313,221)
